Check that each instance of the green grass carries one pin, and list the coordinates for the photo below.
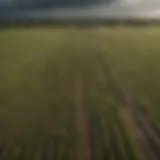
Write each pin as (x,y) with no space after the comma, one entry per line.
(37,66)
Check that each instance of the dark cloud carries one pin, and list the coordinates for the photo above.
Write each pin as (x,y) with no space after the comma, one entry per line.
(29,4)
(46,9)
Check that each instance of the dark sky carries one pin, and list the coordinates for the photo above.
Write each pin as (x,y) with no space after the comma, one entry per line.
(117,8)
(119,3)
(48,3)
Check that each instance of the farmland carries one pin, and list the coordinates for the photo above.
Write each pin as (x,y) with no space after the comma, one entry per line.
(62,92)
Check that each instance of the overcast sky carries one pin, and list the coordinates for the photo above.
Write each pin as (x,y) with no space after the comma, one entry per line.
(119,8)
(118,2)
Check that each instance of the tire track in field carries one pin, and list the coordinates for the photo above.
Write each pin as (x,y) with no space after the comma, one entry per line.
(145,132)
(83,120)
(79,100)
(140,125)
(147,135)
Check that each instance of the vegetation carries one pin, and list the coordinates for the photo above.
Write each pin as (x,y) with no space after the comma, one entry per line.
(51,77)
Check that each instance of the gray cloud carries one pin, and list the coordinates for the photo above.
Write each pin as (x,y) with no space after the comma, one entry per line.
(117,9)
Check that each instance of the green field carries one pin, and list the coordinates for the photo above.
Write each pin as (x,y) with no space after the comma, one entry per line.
(50,77)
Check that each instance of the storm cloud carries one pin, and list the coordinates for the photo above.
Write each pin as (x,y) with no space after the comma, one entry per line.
(43,9)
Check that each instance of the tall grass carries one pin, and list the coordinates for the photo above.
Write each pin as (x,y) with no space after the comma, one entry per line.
(37,115)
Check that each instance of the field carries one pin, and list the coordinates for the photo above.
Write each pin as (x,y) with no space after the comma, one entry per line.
(61,92)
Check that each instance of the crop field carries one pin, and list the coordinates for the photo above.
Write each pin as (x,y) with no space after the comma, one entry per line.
(80,93)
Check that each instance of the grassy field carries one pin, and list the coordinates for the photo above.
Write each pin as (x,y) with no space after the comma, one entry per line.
(51,77)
